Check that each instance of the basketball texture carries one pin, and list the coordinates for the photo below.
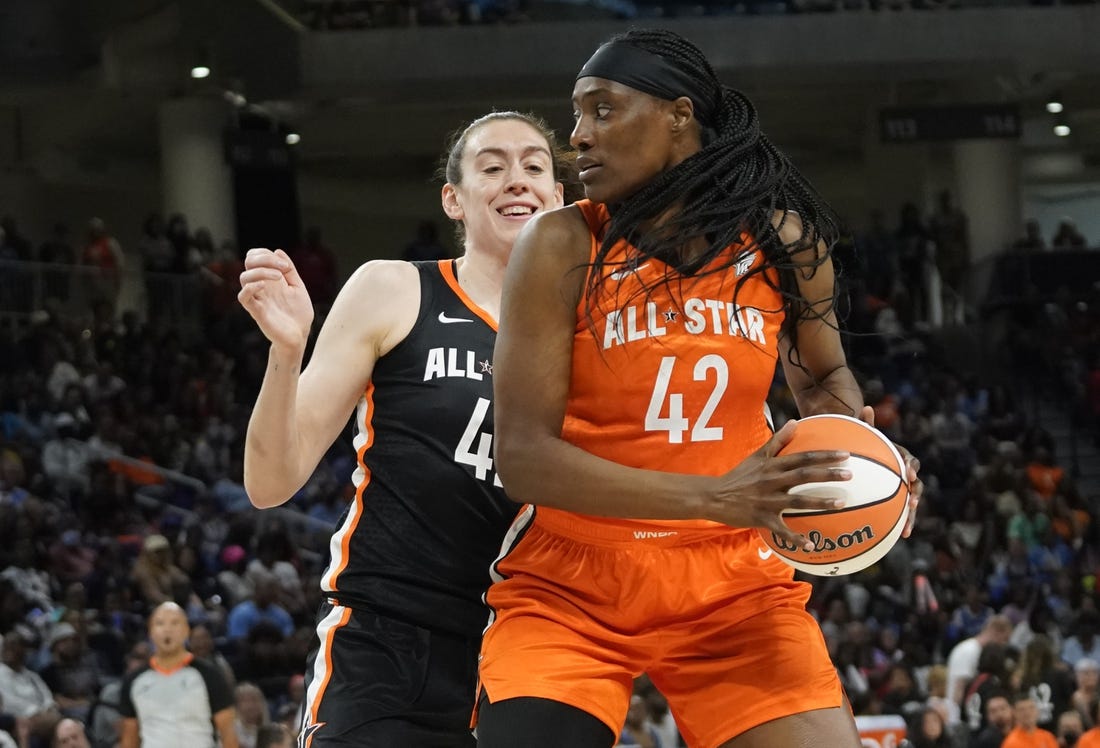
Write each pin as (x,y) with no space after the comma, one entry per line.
(859,533)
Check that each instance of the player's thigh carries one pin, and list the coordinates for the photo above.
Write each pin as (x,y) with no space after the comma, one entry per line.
(377,681)
(539,723)
(833,727)
(737,673)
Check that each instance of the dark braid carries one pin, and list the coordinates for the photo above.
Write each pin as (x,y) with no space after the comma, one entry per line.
(734,184)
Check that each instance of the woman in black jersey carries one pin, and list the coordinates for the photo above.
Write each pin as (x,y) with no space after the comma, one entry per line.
(407,349)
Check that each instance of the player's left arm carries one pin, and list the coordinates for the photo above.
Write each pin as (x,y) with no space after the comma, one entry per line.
(817,369)
(223,723)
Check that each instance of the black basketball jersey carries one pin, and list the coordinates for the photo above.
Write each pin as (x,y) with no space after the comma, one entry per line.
(429,512)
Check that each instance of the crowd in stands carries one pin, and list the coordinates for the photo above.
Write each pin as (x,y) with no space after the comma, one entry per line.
(335,15)
(121,488)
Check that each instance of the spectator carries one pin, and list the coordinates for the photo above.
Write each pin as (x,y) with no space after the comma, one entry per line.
(1085,642)
(274,736)
(1067,236)
(930,731)
(13,245)
(1041,674)
(104,715)
(1070,729)
(252,714)
(1032,240)
(70,733)
(1091,738)
(999,722)
(1027,733)
(201,644)
(175,698)
(22,691)
(962,663)
(992,677)
(261,608)
(58,248)
(1087,672)
(73,674)
(157,577)
(950,233)
(637,731)
(103,253)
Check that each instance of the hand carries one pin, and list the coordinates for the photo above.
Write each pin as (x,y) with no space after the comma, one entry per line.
(912,465)
(754,494)
(275,296)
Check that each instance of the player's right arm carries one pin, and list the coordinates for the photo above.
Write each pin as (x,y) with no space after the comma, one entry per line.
(532,370)
(298,414)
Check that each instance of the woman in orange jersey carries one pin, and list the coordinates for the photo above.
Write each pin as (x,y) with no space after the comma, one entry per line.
(407,351)
(640,331)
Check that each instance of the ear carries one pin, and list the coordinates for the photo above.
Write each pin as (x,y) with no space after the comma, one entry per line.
(559,194)
(451,205)
(682,112)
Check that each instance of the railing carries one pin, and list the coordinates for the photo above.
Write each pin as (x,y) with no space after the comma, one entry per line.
(302,527)
(72,291)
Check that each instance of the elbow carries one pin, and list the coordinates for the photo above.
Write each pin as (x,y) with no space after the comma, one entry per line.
(516,468)
(264,496)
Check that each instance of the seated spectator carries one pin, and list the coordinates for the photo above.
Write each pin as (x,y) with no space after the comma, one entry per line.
(1087,672)
(1070,729)
(252,713)
(1041,673)
(274,736)
(201,644)
(930,731)
(157,578)
(261,608)
(73,674)
(23,692)
(999,718)
(1067,236)
(70,733)
(1091,738)
(104,714)
(273,549)
(1084,642)
(637,731)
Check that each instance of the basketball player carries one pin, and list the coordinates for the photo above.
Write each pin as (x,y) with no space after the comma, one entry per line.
(407,348)
(648,320)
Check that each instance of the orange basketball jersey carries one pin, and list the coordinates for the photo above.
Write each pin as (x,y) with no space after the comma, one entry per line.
(673,378)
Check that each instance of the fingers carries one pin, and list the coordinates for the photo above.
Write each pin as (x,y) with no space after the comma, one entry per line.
(867,415)
(779,440)
(916,490)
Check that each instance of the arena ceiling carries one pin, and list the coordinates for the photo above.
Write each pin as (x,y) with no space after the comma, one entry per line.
(86,87)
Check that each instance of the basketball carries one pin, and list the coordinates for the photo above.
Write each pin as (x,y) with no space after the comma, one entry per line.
(859,533)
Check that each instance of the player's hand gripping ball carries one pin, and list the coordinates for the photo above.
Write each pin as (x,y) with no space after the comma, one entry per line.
(876,499)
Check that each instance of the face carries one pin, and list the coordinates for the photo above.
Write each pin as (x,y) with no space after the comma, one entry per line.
(507,177)
(999,713)
(70,734)
(201,642)
(624,137)
(932,725)
(168,629)
(1027,714)
(1088,677)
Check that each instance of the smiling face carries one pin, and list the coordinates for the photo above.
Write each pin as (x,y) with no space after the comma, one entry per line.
(506,177)
(624,138)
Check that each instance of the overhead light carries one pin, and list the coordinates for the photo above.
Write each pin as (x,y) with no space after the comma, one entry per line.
(1061,130)
(293,138)
(200,71)
(1054,103)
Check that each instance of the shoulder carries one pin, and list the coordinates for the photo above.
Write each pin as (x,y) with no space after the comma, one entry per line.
(558,235)
(383,276)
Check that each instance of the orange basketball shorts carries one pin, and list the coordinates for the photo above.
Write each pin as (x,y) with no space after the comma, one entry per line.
(716,620)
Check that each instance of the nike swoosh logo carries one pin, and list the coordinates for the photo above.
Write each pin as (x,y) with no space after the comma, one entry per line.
(451,320)
(764,554)
(620,274)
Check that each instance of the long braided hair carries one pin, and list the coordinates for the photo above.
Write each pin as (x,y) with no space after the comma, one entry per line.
(733,185)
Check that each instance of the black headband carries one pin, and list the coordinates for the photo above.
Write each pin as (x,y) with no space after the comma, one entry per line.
(649,73)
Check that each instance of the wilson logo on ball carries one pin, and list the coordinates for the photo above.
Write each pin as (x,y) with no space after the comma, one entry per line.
(823,544)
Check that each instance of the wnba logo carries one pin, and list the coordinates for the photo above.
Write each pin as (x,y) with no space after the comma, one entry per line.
(824,544)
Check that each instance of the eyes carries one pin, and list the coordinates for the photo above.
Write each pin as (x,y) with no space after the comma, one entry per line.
(534,168)
(601,111)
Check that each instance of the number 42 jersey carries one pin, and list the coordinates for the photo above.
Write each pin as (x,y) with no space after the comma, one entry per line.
(429,512)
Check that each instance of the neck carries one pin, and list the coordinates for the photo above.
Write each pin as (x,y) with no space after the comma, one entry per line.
(169,660)
(481,275)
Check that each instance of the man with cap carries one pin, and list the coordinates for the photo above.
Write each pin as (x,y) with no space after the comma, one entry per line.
(72,674)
